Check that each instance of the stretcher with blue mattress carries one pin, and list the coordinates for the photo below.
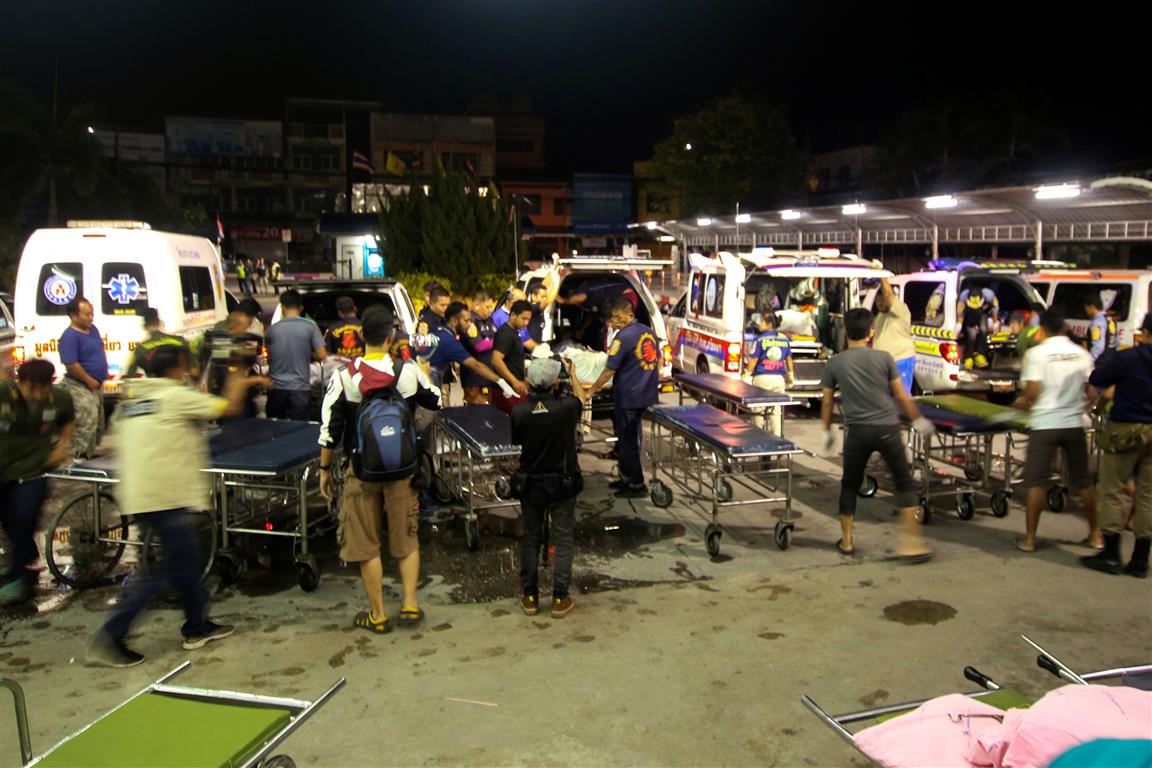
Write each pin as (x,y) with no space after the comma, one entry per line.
(474,456)
(263,473)
(706,452)
(167,725)
(732,395)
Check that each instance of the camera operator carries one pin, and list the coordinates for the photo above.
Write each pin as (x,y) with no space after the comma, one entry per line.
(548,481)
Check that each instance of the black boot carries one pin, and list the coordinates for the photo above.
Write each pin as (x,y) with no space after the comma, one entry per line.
(1108,559)
(1138,565)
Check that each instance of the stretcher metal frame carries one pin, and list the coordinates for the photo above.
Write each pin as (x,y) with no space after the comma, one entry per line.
(1044,660)
(464,458)
(255,489)
(708,470)
(735,396)
(302,711)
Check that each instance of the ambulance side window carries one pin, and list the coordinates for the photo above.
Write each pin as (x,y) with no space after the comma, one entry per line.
(123,290)
(196,286)
(714,296)
(60,282)
(698,294)
(1116,297)
(925,302)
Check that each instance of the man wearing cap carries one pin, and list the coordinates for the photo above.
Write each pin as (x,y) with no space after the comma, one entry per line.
(633,367)
(545,427)
(155,339)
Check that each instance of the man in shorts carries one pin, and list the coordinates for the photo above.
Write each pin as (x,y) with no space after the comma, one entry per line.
(363,506)
(1055,379)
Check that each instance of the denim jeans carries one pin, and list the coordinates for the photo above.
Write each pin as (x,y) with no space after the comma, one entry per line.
(288,404)
(860,442)
(176,530)
(628,423)
(563,520)
(20,502)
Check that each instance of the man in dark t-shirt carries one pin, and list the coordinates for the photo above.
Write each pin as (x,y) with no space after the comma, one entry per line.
(345,337)
(871,391)
(508,356)
(545,425)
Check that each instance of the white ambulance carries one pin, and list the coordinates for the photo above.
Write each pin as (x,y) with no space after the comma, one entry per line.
(932,296)
(600,278)
(808,290)
(1125,293)
(121,267)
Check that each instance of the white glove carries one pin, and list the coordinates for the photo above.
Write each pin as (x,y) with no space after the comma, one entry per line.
(506,389)
(877,264)
(828,443)
(923,426)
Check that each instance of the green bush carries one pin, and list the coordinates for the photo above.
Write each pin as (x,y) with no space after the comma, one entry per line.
(413,282)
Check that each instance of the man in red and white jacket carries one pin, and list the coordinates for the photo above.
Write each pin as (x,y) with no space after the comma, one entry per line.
(363,505)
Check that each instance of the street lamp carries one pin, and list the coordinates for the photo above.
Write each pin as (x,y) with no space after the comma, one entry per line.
(688,147)
(91,129)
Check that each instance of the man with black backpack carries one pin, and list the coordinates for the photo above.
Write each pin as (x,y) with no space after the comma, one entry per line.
(548,482)
(369,410)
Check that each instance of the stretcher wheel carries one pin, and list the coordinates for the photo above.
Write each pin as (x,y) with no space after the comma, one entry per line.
(278,761)
(783,535)
(502,488)
(1057,498)
(724,491)
(308,575)
(229,568)
(442,491)
(1000,504)
(869,487)
(965,507)
(472,534)
(973,471)
(712,540)
(86,540)
(661,494)
(924,513)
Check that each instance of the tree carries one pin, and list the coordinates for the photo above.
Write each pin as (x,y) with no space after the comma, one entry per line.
(450,231)
(734,150)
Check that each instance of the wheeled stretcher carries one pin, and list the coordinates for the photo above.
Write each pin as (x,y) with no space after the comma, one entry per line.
(707,453)
(166,725)
(732,395)
(990,693)
(263,481)
(475,457)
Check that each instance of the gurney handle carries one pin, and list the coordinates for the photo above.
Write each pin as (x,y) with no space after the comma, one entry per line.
(1048,665)
(21,719)
(981,679)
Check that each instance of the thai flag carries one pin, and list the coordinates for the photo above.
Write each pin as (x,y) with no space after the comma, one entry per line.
(471,166)
(360,162)
(219,229)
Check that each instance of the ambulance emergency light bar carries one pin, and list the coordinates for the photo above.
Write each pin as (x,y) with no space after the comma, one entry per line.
(947,264)
(107,224)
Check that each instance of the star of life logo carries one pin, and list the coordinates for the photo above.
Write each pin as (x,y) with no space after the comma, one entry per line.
(123,289)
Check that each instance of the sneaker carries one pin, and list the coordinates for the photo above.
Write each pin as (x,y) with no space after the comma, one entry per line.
(632,492)
(103,651)
(212,631)
(617,484)
(562,606)
(530,604)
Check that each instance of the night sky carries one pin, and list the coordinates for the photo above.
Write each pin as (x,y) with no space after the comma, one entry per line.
(608,76)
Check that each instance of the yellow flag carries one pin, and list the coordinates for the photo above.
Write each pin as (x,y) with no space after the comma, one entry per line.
(493,190)
(395,166)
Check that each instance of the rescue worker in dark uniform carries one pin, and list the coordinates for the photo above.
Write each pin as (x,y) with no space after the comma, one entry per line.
(634,368)
(345,337)
(1103,341)
(478,340)
(230,348)
(978,310)
(142,356)
(428,325)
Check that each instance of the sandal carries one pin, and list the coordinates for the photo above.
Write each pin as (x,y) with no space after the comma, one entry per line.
(921,557)
(411,616)
(364,620)
(840,548)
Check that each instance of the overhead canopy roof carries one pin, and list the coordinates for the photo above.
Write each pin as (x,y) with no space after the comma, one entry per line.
(1116,209)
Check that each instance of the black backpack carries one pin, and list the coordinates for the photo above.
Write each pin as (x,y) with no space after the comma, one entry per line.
(385,449)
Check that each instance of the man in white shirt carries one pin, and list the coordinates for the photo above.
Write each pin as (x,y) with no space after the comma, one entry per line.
(1055,379)
(894,332)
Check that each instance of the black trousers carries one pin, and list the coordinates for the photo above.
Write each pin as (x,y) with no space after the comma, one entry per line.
(627,424)
(860,442)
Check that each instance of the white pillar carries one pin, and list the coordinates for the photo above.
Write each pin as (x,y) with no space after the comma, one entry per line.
(935,242)
(1039,240)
